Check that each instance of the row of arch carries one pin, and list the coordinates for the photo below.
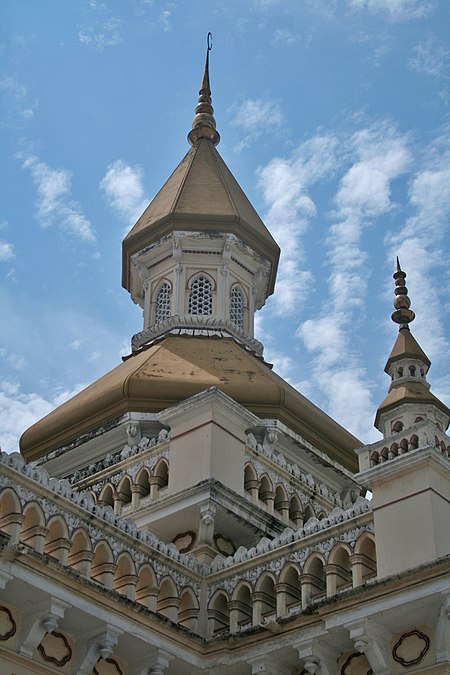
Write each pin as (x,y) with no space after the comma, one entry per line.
(129,491)
(394,450)
(201,287)
(296,587)
(401,448)
(96,562)
(276,500)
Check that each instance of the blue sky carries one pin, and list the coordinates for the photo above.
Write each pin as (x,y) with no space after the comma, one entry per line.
(334,118)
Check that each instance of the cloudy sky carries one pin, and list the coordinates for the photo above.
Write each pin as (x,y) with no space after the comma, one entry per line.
(335,119)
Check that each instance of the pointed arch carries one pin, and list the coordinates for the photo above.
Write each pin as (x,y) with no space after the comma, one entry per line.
(103,567)
(162,299)
(147,588)
(238,305)
(124,491)
(125,578)
(106,497)
(265,596)
(168,600)
(57,543)
(281,503)
(250,476)
(339,570)
(295,511)
(188,610)
(313,579)
(33,530)
(308,513)
(241,612)
(80,553)
(143,482)
(11,516)
(200,294)
(218,613)
(161,472)
(364,559)
(265,489)
(289,586)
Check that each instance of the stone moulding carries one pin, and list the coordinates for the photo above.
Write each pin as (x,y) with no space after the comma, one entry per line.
(34,484)
(422,648)
(203,324)
(12,631)
(65,658)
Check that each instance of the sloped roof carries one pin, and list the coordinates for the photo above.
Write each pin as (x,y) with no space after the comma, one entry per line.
(201,195)
(405,347)
(409,392)
(175,369)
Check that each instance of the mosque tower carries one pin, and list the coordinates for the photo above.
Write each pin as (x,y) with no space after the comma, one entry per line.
(411,499)
(191,512)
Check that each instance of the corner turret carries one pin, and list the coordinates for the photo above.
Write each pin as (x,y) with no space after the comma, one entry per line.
(409,399)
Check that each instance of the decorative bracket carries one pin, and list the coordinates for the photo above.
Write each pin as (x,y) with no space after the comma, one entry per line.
(372,640)
(101,644)
(43,619)
(317,657)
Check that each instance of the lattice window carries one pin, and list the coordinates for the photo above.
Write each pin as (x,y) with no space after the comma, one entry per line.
(237,307)
(163,303)
(200,299)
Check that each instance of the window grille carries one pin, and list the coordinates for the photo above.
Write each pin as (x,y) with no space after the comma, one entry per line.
(237,308)
(200,299)
(163,303)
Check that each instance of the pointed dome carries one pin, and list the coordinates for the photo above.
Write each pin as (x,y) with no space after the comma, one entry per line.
(202,196)
(406,347)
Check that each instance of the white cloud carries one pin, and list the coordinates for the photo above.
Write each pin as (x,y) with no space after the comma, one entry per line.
(285,184)
(104,32)
(6,251)
(419,244)
(55,205)
(286,36)
(18,411)
(395,10)
(265,4)
(164,20)
(123,188)
(256,116)
(431,57)
(18,108)
(64,395)
(373,157)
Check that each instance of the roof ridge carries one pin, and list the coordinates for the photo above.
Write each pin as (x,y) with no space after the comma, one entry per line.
(193,153)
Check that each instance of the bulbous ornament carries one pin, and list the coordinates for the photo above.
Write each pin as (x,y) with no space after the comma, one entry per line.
(402,302)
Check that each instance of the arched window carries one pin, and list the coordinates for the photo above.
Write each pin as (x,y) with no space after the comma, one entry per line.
(237,307)
(200,298)
(163,303)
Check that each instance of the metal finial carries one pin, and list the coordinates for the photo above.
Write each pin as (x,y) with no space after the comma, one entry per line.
(402,315)
(204,124)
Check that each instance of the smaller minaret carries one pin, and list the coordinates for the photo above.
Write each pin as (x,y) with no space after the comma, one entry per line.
(409,399)
(408,470)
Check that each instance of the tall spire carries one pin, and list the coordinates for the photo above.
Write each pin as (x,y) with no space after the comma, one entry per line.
(204,124)
(402,315)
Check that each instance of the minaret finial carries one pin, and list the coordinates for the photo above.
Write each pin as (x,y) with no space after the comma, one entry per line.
(204,124)
(402,315)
